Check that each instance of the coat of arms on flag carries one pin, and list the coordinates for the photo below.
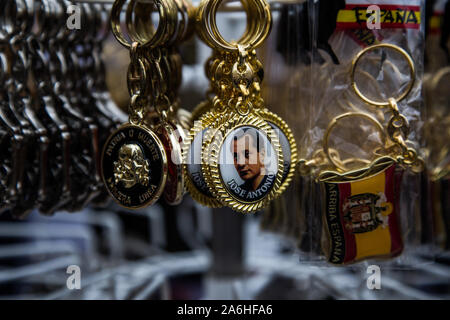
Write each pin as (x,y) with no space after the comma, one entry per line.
(361,213)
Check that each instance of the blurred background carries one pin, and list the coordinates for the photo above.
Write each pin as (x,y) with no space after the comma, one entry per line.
(193,252)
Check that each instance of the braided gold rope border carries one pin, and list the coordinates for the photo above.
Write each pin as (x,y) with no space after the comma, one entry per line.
(210,160)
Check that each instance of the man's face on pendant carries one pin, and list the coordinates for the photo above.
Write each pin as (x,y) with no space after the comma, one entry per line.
(247,160)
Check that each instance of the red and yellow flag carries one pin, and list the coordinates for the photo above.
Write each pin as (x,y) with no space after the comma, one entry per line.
(362,217)
(355,16)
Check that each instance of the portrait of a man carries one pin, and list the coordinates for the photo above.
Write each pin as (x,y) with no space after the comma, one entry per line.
(249,154)
(248,164)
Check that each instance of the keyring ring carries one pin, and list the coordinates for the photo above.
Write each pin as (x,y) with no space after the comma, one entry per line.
(153,41)
(131,24)
(115,23)
(254,35)
(333,124)
(436,79)
(202,26)
(139,29)
(206,33)
(259,34)
(253,24)
(187,12)
(412,73)
(266,17)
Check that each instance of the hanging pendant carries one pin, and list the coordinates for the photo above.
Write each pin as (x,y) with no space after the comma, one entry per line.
(134,166)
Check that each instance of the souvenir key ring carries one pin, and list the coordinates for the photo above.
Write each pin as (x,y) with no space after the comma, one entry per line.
(164,125)
(195,182)
(134,161)
(398,126)
(203,116)
(144,39)
(242,161)
(361,206)
(256,34)
(259,32)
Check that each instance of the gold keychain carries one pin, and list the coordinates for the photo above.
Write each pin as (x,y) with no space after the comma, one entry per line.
(242,161)
(222,114)
(171,135)
(202,118)
(361,209)
(134,161)
(165,63)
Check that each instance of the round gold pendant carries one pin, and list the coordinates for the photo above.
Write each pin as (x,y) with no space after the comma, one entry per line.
(134,166)
(195,182)
(242,162)
(171,139)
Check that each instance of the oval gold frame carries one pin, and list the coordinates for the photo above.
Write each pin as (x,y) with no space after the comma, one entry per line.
(210,166)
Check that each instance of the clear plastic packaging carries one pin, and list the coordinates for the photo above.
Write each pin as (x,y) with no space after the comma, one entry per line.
(308,82)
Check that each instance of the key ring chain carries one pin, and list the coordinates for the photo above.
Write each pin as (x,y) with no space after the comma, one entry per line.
(259,34)
(240,121)
(203,117)
(134,159)
(400,97)
(164,11)
(338,164)
(361,206)
(239,77)
(202,25)
(398,126)
(253,36)
(165,77)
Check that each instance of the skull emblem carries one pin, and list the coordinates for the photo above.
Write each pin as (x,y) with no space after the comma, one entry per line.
(131,167)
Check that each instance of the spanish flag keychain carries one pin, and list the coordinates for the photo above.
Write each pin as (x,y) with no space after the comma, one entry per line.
(361,206)
(361,212)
